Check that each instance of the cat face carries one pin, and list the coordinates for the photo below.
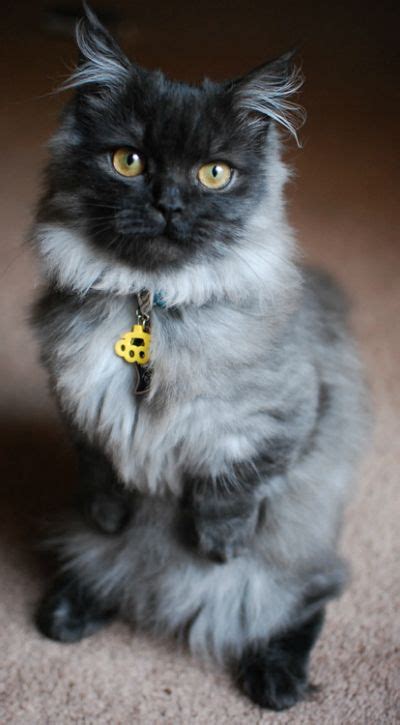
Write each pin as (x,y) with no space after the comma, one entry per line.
(158,173)
(144,172)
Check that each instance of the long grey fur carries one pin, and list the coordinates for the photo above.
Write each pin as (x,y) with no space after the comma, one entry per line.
(253,367)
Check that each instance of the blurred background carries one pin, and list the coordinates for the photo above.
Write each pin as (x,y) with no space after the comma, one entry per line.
(344,203)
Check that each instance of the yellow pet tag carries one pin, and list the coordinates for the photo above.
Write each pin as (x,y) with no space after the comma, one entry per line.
(134,346)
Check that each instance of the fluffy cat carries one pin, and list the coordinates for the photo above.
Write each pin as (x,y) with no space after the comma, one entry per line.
(211,504)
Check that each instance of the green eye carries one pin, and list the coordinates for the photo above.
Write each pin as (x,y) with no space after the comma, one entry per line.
(127,162)
(216,175)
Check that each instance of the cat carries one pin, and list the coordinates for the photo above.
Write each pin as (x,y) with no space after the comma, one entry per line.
(213,479)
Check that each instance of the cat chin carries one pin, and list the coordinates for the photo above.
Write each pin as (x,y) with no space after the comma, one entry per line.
(155,254)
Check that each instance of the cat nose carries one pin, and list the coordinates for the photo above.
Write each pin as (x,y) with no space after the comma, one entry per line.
(169,202)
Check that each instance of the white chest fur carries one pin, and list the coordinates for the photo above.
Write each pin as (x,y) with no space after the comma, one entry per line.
(198,414)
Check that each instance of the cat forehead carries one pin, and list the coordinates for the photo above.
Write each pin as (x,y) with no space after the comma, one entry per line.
(177,109)
(167,116)
(156,90)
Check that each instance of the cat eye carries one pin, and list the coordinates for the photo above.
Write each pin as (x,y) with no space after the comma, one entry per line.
(128,162)
(215,175)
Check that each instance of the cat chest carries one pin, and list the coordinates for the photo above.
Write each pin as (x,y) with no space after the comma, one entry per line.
(151,438)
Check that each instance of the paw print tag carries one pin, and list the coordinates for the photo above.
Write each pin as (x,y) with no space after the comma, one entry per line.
(134,346)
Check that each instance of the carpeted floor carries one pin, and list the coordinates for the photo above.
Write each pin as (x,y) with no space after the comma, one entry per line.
(344,202)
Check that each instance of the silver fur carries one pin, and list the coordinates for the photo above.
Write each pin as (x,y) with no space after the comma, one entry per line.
(268,95)
(102,65)
(257,340)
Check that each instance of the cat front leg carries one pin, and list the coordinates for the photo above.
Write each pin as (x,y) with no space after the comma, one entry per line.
(220,516)
(103,501)
(217,524)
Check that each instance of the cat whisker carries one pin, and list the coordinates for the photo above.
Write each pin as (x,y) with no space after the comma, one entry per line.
(247,263)
(100,204)
(14,259)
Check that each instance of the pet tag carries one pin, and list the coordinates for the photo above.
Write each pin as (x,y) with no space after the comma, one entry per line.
(134,346)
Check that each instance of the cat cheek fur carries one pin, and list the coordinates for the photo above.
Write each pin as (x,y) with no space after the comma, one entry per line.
(219,515)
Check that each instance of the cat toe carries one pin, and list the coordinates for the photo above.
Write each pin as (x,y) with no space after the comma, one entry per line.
(218,551)
(68,613)
(276,689)
(108,513)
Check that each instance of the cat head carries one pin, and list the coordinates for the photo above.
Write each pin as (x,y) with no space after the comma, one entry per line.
(156,175)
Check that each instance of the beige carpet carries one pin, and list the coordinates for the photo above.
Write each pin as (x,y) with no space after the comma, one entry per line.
(344,203)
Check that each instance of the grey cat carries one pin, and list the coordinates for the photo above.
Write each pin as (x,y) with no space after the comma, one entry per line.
(211,502)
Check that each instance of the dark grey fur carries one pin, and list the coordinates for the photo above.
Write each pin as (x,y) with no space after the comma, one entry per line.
(212,507)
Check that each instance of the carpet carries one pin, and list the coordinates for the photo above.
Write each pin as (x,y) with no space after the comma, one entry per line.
(344,203)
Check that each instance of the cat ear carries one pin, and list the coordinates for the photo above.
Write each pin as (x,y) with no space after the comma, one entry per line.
(266,93)
(102,61)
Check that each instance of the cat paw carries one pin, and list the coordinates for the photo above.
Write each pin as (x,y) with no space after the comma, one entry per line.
(217,527)
(272,686)
(274,674)
(218,546)
(69,613)
(222,538)
(108,512)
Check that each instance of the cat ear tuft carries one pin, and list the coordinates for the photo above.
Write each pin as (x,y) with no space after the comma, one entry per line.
(102,61)
(267,92)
